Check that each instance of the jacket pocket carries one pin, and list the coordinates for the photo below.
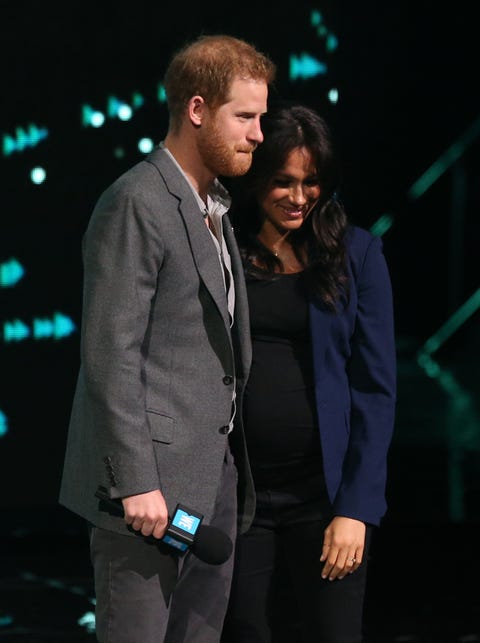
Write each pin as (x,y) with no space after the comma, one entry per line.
(162,427)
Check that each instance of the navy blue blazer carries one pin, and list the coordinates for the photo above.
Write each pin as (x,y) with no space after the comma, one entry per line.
(355,383)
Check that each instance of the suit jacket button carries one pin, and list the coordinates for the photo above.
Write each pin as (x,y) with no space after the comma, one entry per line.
(228,379)
(224,429)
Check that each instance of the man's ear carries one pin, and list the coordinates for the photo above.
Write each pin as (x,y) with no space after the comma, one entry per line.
(195,110)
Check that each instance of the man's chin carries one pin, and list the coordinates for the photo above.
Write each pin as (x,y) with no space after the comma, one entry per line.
(240,166)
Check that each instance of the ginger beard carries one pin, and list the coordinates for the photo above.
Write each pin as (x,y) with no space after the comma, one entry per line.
(219,156)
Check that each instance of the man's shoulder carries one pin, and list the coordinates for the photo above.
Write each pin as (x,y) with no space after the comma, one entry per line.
(150,175)
(153,164)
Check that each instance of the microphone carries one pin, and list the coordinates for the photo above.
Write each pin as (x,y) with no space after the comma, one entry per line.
(185,532)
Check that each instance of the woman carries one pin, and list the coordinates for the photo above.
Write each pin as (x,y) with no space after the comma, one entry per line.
(319,404)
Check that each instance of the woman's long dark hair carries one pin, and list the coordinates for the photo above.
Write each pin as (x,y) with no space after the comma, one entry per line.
(320,242)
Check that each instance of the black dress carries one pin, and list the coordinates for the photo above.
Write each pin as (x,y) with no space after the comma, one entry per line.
(279,408)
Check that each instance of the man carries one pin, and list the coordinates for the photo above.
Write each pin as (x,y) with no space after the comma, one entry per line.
(165,354)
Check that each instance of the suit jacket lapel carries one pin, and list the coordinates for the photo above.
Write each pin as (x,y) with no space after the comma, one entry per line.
(203,249)
(242,321)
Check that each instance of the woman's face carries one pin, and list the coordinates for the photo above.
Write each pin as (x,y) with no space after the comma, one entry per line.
(291,193)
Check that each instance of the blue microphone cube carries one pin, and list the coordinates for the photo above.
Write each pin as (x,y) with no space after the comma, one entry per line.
(182,527)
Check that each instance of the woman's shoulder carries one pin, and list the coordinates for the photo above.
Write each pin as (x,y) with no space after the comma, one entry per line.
(362,246)
(358,238)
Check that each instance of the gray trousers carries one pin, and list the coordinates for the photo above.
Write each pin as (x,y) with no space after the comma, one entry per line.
(146,593)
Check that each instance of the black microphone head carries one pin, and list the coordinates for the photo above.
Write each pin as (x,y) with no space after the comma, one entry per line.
(211,545)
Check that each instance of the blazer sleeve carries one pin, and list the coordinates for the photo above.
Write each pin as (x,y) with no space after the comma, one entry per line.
(122,254)
(371,374)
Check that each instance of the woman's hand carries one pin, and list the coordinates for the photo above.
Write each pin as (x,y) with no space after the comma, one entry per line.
(343,546)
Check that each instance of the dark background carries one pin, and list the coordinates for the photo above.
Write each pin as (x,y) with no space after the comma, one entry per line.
(408,85)
(408,92)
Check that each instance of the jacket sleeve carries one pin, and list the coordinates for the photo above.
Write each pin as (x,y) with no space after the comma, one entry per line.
(371,374)
(122,254)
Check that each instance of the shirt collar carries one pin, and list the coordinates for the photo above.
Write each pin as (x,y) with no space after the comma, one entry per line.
(218,199)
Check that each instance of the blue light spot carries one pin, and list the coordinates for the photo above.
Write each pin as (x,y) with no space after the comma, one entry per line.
(124,112)
(145,145)
(10,273)
(38,175)
(3,424)
(97,119)
(333,96)
(5,620)
(15,331)
(305,66)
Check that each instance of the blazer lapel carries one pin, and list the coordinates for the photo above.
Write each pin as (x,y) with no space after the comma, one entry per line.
(242,321)
(203,249)
(320,321)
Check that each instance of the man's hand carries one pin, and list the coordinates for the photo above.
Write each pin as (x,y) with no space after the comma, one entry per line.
(147,513)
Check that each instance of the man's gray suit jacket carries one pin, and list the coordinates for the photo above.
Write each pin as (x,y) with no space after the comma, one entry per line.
(159,360)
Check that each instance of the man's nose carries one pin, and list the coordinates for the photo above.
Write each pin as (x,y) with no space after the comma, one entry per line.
(255,132)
